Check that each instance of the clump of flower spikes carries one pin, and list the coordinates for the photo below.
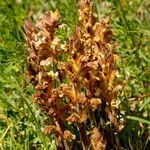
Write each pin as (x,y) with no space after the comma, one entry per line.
(71,90)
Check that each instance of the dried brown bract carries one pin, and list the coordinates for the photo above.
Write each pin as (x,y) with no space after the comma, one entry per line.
(89,69)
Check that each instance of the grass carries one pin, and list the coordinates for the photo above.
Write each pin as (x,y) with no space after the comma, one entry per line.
(21,122)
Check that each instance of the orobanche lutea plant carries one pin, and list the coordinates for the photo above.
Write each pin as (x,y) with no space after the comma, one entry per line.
(77,92)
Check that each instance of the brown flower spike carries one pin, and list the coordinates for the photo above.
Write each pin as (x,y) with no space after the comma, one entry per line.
(89,71)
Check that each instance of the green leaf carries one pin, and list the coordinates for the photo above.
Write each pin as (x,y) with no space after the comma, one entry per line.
(146,102)
(138,119)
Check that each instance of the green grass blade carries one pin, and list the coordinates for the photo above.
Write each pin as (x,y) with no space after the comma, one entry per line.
(138,119)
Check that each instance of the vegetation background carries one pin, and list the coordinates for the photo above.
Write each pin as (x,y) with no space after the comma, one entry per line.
(21,122)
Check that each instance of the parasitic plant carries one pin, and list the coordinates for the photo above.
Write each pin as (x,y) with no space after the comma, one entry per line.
(77,93)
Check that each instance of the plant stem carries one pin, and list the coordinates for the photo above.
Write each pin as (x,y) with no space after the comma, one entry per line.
(84,137)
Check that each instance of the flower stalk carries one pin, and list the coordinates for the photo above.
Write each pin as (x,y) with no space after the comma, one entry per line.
(81,107)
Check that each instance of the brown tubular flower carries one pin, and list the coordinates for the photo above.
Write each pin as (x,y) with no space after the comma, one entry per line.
(97,140)
(68,136)
(89,71)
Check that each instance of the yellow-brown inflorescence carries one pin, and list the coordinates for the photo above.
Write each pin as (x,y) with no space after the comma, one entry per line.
(71,90)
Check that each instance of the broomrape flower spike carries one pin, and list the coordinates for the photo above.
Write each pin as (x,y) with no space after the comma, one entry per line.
(90,65)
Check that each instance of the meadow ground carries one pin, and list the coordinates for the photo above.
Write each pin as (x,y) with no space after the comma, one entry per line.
(21,122)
